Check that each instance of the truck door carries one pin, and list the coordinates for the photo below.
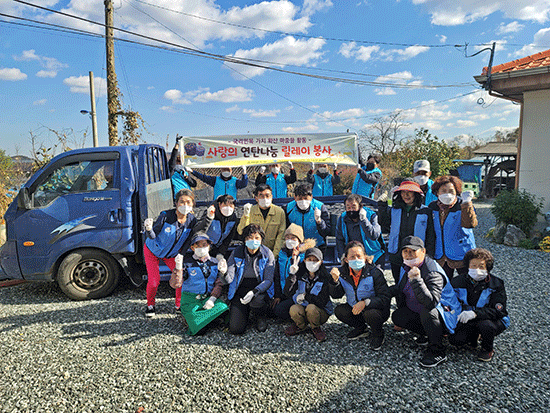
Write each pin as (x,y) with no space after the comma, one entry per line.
(76,203)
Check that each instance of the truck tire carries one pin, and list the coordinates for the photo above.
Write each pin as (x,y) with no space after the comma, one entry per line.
(86,274)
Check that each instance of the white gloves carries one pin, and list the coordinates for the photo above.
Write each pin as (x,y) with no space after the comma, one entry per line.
(312,166)
(335,273)
(467,196)
(335,166)
(317,215)
(179,261)
(262,169)
(300,298)
(222,264)
(293,269)
(188,169)
(209,304)
(383,197)
(246,209)
(362,214)
(358,166)
(211,212)
(148,224)
(466,316)
(290,164)
(247,298)
(414,273)
(244,170)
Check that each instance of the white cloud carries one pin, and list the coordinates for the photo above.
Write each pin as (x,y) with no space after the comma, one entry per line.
(442,38)
(312,6)
(343,114)
(229,95)
(452,12)
(365,53)
(310,127)
(513,27)
(81,84)
(262,113)
(46,73)
(462,123)
(168,109)
(400,55)
(40,102)
(11,74)
(52,65)
(287,51)
(233,109)
(176,96)
(387,91)
(540,43)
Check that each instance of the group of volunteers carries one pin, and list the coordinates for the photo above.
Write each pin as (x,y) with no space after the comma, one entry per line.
(279,270)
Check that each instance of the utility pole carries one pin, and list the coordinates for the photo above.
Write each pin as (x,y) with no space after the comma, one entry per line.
(113,104)
(93,113)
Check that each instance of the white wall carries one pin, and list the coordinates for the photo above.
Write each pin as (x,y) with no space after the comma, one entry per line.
(534,170)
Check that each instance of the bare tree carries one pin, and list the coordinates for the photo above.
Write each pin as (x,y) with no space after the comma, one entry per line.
(383,136)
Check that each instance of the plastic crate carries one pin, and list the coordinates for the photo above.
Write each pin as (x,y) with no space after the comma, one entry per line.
(201,318)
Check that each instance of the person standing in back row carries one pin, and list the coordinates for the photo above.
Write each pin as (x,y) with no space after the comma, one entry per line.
(323,182)
(368,177)
(181,179)
(277,181)
(422,173)
(224,183)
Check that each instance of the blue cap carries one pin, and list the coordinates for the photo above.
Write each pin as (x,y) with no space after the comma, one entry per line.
(199,236)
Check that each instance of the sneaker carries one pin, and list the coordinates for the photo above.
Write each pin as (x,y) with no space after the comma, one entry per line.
(432,360)
(261,324)
(319,334)
(292,330)
(422,341)
(358,332)
(150,311)
(376,342)
(485,355)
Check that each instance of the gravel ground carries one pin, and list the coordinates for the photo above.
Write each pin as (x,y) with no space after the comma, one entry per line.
(103,355)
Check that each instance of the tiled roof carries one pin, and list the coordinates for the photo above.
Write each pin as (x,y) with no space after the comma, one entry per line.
(537,60)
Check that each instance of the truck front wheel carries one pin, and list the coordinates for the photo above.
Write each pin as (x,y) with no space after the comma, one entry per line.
(87,274)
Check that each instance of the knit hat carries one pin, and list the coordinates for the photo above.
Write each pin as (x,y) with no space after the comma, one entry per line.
(295,230)
(421,165)
(316,252)
(409,185)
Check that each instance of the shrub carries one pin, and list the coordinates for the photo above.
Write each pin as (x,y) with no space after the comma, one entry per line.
(518,208)
(527,244)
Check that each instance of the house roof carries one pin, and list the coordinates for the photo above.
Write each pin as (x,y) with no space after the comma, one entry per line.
(497,149)
(541,59)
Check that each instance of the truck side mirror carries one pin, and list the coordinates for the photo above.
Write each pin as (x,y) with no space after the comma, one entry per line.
(24,199)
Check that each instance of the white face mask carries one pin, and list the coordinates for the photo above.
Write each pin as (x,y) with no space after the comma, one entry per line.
(477,274)
(322,170)
(201,252)
(303,204)
(421,179)
(226,174)
(275,170)
(415,262)
(291,244)
(313,266)
(227,211)
(264,202)
(185,209)
(446,199)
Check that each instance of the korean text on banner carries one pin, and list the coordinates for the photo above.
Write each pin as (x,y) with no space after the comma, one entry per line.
(239,150)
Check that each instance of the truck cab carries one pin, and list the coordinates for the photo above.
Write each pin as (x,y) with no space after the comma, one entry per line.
(78,220)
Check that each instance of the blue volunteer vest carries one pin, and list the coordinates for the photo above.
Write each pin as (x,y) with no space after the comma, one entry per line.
(222,187)
(278,185)
(430,196)
(215,233)
(453,240)
(306,220)
(239,271)
(420,226)
(315,290)
(372,247)
(284,261)
(365,289)
(167,244)
(179,182)
(482,301)
(363,188)
(322,187)
(197,283)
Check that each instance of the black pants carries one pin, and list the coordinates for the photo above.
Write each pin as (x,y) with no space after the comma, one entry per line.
(469,332)
(282,309)
(374,318)
(427,323)
(396,272)
(239,312)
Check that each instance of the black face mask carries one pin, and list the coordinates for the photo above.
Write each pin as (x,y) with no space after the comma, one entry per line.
(353,214)
(370,166)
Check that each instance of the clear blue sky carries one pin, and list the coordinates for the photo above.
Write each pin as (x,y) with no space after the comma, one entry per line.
(405,48)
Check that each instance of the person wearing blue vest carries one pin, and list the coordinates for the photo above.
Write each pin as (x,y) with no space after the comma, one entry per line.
(181,179)
(221,223)
(249,276)
(309,288)
(454,219)
(167,237)
(426,302)
(312,215)
(483,300)
(322,181)
(224,183)
(293,249)
(201,279)
(422,173)
(367,295)
(277,181)
(407,216)
(367,178)
(359,223)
